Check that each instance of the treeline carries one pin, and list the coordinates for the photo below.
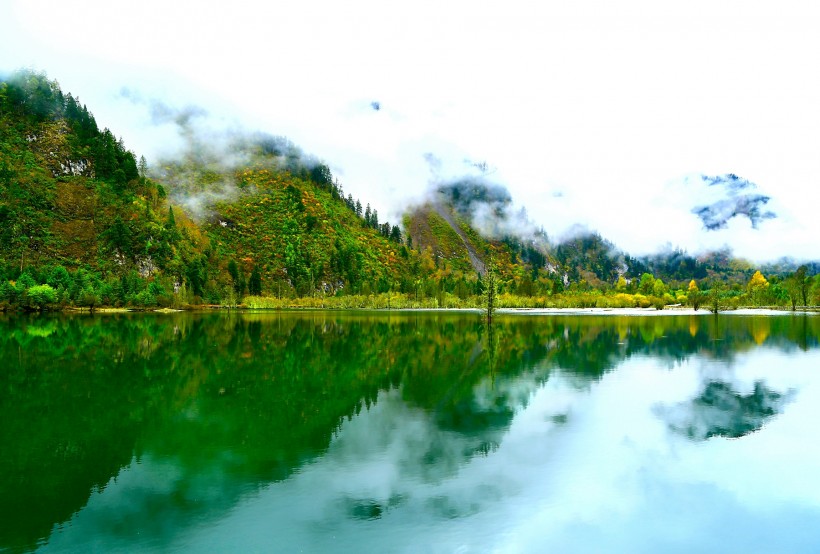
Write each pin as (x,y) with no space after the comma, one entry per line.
(55,287)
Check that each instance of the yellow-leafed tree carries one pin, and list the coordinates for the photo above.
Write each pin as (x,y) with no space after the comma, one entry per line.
(757,287)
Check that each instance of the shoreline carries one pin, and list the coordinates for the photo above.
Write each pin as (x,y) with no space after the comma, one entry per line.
(634,312)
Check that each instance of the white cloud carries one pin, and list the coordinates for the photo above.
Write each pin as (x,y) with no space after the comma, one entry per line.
(607,103)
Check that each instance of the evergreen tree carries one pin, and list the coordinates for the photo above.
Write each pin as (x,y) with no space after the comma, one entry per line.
(321,175)
(255,282)
(395,234)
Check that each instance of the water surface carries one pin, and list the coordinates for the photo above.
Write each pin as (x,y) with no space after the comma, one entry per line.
(409,432)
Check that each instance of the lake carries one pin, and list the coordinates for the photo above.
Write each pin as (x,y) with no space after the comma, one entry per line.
(409,432)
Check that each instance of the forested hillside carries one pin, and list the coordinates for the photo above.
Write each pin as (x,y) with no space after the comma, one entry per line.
(85,222)
(77,218)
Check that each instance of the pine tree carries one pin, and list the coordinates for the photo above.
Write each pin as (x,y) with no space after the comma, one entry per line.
(395,234)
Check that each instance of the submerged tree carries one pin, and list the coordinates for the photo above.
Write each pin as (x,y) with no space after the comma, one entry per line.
(491,290)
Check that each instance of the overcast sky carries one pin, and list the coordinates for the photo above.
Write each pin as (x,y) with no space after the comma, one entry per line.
(592,113)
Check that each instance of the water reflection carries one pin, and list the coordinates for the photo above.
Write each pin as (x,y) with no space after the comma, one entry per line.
(723,412)
(134,431)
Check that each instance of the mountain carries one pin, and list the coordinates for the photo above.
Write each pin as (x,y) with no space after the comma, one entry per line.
(84,222)
(74,202)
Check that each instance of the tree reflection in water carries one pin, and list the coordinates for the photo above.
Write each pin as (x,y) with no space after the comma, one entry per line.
(229,403)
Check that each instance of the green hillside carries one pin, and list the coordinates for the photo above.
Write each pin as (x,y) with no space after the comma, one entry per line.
(75,212)
(302,237)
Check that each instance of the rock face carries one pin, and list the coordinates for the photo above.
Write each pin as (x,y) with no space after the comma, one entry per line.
(734,197)
(76,168)
(476,262)
(51,144)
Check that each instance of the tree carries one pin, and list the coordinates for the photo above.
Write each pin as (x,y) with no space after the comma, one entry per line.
(41,296)
(694,295)
(757,287)
(59,278)
(321,175)
(814,292)
(88,297)
(803,282)
(491,290)
(658,288)
(647,284)
(196,273)
(8,294)
(716,297)
(171,222)
(395,234)
(255,282)
(793,289)
(119,237)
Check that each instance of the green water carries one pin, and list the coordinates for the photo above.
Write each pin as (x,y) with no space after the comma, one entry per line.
(409,432)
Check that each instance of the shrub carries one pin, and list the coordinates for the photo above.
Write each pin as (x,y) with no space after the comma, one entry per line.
(41,296)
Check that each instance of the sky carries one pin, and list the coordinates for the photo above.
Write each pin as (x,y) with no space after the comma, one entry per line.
(598,114)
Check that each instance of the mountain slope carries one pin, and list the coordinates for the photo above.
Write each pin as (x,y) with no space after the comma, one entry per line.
(72,198)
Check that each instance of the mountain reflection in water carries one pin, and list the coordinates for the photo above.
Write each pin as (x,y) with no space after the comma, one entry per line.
(138,431)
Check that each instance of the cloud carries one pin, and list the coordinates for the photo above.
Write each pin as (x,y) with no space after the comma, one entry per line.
(489,207)
(200,171)
(606,109)
(162,112)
